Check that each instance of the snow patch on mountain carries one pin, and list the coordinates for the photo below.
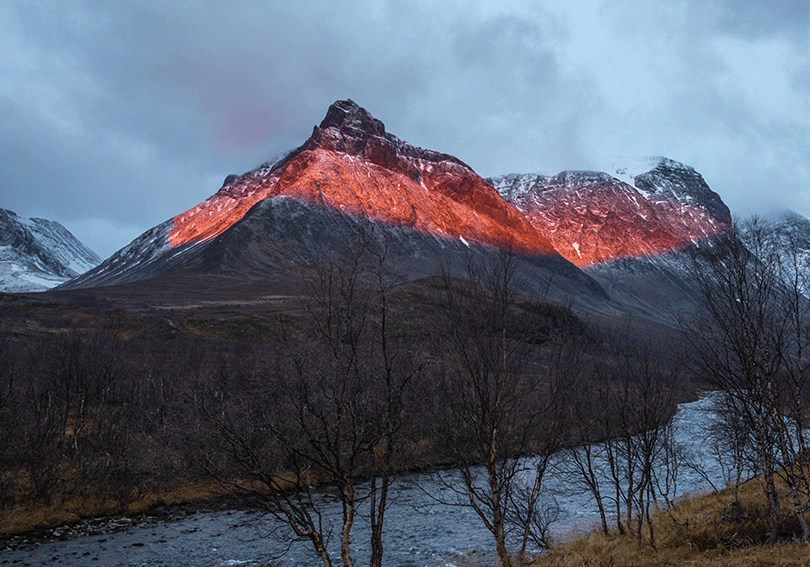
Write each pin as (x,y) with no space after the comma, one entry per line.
(38,254)
(626,169)
(790,234)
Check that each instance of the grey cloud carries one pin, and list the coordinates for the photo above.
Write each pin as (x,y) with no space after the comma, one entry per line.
(513,56)
(503,102)
(67,177)
(159,101)
(755,18)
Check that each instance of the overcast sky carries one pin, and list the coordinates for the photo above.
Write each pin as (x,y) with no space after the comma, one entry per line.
(117,116)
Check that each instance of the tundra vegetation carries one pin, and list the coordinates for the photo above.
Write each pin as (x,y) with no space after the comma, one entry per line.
(365,375)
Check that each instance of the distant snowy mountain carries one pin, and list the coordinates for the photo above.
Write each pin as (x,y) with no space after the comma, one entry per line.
(38,254)
(792,232)
(642,208)
(633,229)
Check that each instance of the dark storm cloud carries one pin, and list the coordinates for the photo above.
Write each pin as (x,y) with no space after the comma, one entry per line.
(118,116)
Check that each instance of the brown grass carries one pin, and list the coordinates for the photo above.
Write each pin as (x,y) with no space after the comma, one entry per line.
(709,530)
(23,518)
(28,517)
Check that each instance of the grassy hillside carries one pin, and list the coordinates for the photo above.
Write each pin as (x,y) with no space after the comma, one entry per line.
(710,530)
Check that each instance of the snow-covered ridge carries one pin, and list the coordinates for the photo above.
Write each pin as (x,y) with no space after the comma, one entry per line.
(641,207)
(38,254)
(675,180)
(627,169)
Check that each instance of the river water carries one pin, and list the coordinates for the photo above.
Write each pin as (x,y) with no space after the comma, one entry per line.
(419,532)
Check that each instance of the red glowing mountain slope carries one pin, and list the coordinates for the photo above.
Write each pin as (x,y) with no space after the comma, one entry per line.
(351,164)
(593,218)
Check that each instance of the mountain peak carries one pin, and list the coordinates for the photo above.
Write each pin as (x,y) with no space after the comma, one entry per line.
(350,164)
(347,115)
(351,129)
(628,168)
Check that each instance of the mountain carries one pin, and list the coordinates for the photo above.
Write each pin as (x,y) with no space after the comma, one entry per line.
(38,254)
(649,207)
(352,164)
(633,230)
(790,233)
(353,177)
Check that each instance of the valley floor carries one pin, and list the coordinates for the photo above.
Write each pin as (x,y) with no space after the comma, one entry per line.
(708,530)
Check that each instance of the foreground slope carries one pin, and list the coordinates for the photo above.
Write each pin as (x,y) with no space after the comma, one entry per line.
(38,254)
(703,530)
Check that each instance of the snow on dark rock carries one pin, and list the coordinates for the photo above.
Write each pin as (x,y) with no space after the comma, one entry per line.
(38,254)
(646,207)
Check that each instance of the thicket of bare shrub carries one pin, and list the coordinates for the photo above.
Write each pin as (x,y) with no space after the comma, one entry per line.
(368,378)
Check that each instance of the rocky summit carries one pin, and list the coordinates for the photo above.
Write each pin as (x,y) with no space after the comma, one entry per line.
(593,217)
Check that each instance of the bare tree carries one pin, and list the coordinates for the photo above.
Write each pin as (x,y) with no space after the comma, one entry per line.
(329,416)
(12,373)
(751,341)
(504,402)
(731,444)
(627,405)
(644,407)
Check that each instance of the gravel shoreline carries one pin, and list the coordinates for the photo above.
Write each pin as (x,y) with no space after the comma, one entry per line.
(114,524)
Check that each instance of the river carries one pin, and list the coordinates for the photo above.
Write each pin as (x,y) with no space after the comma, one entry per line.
(419,532)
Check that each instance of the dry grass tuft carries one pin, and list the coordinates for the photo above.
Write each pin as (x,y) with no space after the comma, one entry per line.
(711,530)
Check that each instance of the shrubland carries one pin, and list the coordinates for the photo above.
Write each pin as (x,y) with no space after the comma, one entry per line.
(112,409)
(364,375)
